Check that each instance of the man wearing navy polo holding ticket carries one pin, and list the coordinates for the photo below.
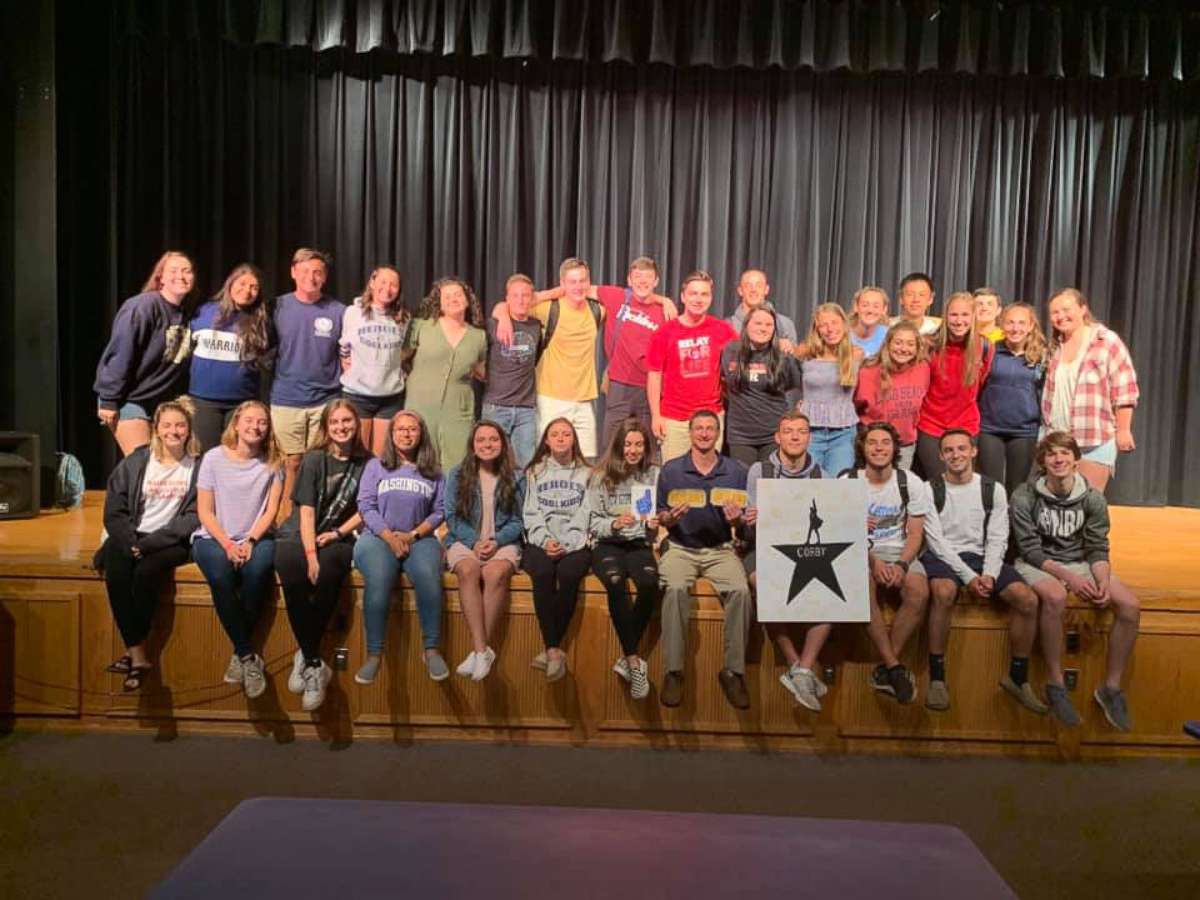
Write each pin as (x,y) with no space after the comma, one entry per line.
(701,499)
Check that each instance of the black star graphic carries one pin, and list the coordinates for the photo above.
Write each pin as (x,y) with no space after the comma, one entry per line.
(814,562)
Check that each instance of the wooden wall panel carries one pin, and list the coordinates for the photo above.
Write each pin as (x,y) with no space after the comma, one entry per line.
(39,648)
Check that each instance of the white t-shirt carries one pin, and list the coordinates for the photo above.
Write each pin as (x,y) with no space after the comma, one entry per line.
(886,517)
(163,488)
(1066,377)
(961,521)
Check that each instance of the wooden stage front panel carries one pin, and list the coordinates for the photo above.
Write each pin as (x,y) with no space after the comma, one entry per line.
(57,634)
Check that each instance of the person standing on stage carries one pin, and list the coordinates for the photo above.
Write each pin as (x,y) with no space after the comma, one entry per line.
(892,385)
(510,397)
(758,377)
(753,290)
(869,320)
(988,307)
(916,299)
(828,377)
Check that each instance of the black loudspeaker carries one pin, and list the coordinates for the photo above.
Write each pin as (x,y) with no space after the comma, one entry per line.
(20,475)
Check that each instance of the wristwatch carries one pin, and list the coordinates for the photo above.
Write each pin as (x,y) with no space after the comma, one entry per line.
(902,564)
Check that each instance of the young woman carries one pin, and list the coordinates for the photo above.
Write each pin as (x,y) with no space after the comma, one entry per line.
(987,314)
(315,546)
(868,320)
(958,368)
(892,386)
(1091,387)
(1010,402)
(238,491)
(757,377)
(231,340)
(829,374)
(447,347)
(622,551)
(556,528)
(143,362)
(149,517)
(483,538)
(372,345)
(400,499)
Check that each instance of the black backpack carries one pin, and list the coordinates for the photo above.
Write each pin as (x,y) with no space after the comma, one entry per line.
(901,483)
(987,488)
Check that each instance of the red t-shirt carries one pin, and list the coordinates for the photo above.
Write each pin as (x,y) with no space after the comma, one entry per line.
(902,405)
(627,359)
(690,362)
(949,403)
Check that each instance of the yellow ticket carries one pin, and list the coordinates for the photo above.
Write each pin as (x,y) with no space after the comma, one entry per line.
(721,496)
(691,498)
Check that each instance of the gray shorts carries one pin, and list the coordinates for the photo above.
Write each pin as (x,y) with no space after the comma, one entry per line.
(1032,574)
(914,568)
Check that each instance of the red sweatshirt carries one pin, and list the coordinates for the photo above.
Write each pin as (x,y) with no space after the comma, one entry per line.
(902,405)
(950,403)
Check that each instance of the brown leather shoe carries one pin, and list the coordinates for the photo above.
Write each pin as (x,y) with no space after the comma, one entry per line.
(734,687)
(672,689)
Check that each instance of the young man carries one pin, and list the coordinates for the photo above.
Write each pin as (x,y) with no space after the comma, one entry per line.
(510,398)
(791,460)
(1061,526)
(308,325)
(897,504)
(916,298)
(685,367)
(700,545)
(971,528)
(752,290)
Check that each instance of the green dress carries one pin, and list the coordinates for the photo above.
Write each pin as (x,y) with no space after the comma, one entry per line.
(439,386)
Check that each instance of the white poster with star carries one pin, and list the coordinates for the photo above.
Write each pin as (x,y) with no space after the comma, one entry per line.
(811,550)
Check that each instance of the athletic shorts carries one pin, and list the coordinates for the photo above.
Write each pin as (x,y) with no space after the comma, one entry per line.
(1032,574)
(915,567)
(935,567)
(376,407)
(296,427)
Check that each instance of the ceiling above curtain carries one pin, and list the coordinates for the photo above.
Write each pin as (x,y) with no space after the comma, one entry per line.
(1150,41)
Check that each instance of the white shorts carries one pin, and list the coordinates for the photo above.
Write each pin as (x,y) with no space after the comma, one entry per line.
(580,413)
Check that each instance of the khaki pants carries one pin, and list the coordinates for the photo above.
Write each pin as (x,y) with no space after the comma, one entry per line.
(678,570)
(678,440)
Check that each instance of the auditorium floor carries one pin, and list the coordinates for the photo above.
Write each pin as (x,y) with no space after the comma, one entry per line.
(105,815)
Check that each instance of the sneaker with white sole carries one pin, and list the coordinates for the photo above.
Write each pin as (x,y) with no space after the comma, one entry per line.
(483,664)
(295,682)
(556,668)
(316,679)
(1116,709)
(369,670)
(937,696)
(254,680)
(639,681)
(1060,705)
(621,667)
(466,668)
(540,661)
(801,683)
(233,671)
(438,670)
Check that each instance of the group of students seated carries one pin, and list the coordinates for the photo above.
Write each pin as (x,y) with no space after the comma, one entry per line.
(370,445)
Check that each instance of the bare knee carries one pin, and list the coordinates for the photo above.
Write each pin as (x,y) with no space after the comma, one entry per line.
(944,593)
(1022,599)
(1053,598)
(915,593)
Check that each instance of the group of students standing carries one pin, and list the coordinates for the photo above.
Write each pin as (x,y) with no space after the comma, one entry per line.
(370,404)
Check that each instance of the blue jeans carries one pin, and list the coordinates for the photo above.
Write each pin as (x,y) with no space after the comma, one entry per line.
(520,422)
(237,593)
(833,449)
(380,569)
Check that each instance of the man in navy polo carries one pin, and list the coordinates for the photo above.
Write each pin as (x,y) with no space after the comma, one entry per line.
(701,499)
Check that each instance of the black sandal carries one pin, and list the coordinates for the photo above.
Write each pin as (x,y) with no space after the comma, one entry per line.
(133,681)
(120,666)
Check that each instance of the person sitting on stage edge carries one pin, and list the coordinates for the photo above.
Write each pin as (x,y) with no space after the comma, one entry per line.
(401,503)
(791,460)
(556,533)
(314,548)
(622,550)
(967,539)
(699,545)
(1061,527)
(149,516)
(510,395)
(484,497)
(238,491)
(897,504)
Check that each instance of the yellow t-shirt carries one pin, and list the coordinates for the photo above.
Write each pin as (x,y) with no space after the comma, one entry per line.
(567,369)
(994,334)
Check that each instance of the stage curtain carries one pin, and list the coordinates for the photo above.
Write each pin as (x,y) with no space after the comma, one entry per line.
(483,167)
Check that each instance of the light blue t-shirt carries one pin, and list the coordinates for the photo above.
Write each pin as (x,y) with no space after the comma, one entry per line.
(870,344)
(307,372)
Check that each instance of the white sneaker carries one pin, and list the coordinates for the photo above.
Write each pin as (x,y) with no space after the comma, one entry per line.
(316,679)
(466,668)
(621,667)
(802,684)
(483,664)
(233,671)
(295,682)
(639,683)
(254,681)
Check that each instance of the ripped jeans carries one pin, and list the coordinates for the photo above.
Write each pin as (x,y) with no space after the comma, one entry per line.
(613,562)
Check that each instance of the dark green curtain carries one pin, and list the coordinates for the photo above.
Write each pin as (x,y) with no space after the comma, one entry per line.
(481,165)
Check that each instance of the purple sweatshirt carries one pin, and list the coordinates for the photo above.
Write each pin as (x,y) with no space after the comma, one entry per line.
(399,499)
(143,361)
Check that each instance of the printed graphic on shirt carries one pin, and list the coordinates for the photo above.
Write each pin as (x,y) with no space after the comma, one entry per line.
(636,317)
(559,493)
(755,372)
(407,485)
(322,327)
(694,354)
(221,346)
(380,335)
(1060,523)
(179,340)
(522,349)
(885,522)
(169,486)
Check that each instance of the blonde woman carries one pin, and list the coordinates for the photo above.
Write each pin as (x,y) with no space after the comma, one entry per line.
(892,386)
(869,319)
(238,491)
(829,374)
(1010,402)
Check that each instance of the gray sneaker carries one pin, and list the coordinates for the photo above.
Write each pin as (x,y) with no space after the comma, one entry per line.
(438,670)
(254,681)
(1060,705)
(1024,695)
(1116,710)
(937,698)
(233,671)
(802,684)
(316,679)
(369,670)
(295,682)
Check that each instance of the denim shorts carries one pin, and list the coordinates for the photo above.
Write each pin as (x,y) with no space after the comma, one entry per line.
(132,410)
(1105,454)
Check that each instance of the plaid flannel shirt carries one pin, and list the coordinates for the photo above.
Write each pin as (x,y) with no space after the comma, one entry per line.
(1106,381)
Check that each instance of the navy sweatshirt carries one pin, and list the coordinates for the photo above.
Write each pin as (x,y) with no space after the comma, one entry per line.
(1010,400)
(145,354)
(218,373)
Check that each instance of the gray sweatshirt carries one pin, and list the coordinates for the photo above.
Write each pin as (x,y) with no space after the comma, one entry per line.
(606,505)
(1066,529)
(556,507)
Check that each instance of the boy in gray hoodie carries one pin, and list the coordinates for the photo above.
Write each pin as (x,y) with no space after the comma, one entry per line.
(1060,524)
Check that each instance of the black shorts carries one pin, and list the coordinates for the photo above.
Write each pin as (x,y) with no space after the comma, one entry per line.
(376,407)
(936,568)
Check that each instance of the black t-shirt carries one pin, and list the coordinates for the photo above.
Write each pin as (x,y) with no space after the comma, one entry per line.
(307,488)
(510,370)
(752,414)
